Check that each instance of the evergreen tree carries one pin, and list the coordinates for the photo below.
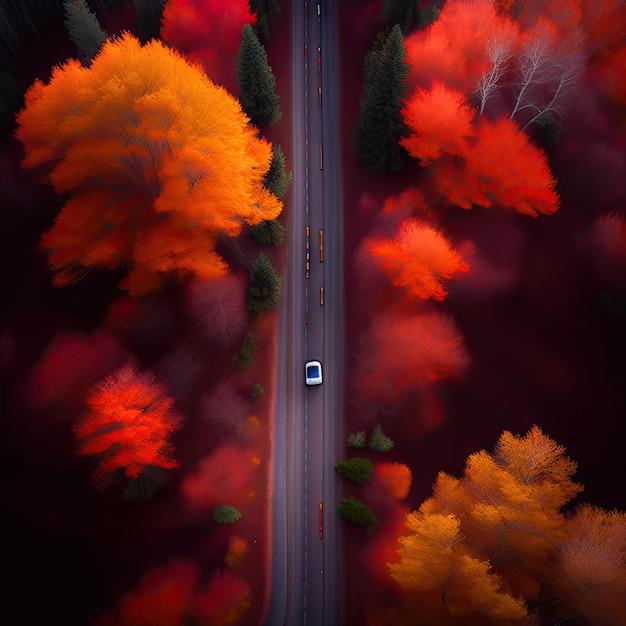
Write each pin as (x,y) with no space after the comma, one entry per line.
(380,125)
(356,440)
(356,512)
(269,232)
(84,30)
(257,84)
(427,15)
(264,287)
(277,178)
(379,441)
(226,514)
(265,11)
(357,469)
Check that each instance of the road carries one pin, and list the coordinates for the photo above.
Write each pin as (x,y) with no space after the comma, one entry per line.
(308,437)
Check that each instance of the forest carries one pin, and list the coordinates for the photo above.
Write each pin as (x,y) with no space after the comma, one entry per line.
(146,205)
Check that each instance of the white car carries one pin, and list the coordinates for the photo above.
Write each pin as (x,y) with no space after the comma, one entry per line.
(313,373)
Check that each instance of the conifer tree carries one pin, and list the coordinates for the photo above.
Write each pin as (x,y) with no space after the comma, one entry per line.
(256,82)
(380,125)
(84,29)
(264,288)
(277,178)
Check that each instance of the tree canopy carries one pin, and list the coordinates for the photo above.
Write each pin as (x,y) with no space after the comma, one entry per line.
(157,162)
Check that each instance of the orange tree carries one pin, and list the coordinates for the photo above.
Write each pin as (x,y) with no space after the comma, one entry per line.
(156,160)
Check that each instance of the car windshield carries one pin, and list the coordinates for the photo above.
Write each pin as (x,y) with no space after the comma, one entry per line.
(314,371)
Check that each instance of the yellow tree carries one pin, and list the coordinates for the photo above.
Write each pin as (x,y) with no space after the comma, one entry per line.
(508,527)
(157,162)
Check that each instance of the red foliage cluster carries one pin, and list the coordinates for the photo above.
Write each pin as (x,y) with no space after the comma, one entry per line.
(127,425)
(400,352)
(71,364)
(218,308)
(172,596)
(485,163)
(418,259)
(209,32)
(226,476)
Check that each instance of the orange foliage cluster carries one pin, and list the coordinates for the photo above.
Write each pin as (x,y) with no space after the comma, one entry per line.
(237,547)
(173,596)
(158,161)
(128,422)
(395,478)
(209,32)
(486,544)
(418,259)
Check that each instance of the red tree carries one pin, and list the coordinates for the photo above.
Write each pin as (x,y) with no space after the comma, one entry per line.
(418,259)
(400,352)
(505,169)
(224,408)
(218,308)
(440,121)
(127,425)
(208,32)
(163,597)
(226,476)
(71,364)
(224,601)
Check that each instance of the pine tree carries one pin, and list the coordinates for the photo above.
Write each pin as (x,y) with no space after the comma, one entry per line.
(264,288)
(277,178)
(256,82)
(380,125)
(269,232)
(379,441)
(84,29)
(356,440)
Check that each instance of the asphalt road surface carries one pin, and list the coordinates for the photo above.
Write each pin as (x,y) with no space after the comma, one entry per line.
(308,437)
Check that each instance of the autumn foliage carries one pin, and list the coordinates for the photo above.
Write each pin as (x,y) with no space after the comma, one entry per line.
(72,363)
(174,596)
(209,32)
(477,162)
(226,476)
(402,352)
(157,159)
(128,422)
(418,259)
(394,478)
(489,543)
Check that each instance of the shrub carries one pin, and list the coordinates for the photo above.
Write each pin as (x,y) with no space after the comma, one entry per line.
(356,440)
(379,441)
(225,514)
(356,470)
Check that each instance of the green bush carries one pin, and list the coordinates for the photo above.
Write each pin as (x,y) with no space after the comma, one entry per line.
(257,390)
(356,470)
(379,441)
(356,440)
(226,514)
(353,510)
(246,351)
